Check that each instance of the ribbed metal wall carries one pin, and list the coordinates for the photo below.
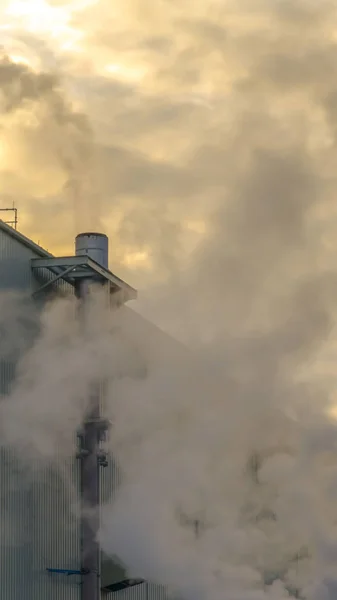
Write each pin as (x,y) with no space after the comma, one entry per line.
(39,529)
(38,524)
(7,372)
(15,573)
(15,271)
(15,267)
(145,591)
(54,531)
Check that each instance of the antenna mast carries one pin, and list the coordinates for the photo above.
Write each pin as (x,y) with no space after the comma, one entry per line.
(14,221)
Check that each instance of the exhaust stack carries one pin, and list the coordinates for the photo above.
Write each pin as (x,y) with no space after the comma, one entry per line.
(94,245)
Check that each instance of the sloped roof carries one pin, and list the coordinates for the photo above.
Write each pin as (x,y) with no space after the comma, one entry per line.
(24,240)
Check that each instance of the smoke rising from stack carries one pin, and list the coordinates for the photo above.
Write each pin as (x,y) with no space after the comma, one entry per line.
(52,144)
(228,456)
(223,89)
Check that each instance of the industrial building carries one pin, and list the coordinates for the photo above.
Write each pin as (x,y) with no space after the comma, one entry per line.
(46,553)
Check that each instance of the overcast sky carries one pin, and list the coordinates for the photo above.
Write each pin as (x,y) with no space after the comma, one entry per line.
(200,136)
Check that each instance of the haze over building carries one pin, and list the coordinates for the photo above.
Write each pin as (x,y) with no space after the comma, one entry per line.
(40,505)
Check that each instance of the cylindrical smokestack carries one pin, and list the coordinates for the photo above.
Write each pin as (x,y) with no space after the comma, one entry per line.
(94,245)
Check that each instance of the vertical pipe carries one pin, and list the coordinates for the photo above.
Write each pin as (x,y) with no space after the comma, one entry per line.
(90,510)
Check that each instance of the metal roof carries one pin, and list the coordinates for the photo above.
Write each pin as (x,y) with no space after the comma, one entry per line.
(24,240)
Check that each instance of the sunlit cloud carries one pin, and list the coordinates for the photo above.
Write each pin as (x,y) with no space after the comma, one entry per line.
(39,18)
(124,72)
(179,103)
(16,59)
(136,259)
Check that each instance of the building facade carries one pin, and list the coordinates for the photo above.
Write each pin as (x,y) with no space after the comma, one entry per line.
(40,538)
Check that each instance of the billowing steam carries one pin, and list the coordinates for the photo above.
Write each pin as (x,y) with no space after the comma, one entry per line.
(228,479)
(216,164)
(47,148)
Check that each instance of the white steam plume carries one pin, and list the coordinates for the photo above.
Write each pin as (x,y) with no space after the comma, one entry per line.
(227,489)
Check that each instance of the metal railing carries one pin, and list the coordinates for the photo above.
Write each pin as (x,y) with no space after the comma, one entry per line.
(14,221)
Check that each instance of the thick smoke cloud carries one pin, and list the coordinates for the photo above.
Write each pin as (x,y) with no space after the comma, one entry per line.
(48,150)
(227,459)
(216,146)
(180,116)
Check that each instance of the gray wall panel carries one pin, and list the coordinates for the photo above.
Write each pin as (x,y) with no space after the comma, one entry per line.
(15,267)
(14,530)
(146,591)
(54,533)
(38,528)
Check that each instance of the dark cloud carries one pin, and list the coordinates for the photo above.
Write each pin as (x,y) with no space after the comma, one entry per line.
(19,84)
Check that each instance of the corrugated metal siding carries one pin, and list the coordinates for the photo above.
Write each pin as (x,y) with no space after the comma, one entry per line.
(54,532)
(14,548)
(145,591)
(16,275)
(38,526)
(15,267)
(15,271)
(7,373)
(39,530)
(110,480)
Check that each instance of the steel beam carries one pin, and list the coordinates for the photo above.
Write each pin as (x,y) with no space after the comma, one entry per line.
(63,261)
(52,281)
(83,267)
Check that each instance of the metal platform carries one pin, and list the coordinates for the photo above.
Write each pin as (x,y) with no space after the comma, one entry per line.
(73,268)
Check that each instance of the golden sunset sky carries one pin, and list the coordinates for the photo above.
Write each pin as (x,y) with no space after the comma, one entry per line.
(201,137)
(124,169)
(172,125)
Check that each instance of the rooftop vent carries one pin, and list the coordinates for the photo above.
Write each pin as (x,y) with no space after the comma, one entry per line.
(93,245)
